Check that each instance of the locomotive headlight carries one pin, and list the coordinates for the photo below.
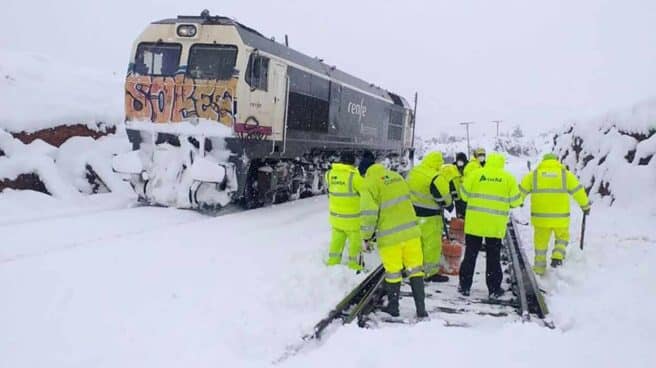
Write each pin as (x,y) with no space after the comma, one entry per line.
(186,30)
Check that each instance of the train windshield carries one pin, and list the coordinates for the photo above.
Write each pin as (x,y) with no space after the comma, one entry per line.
(157,59)
(212,61)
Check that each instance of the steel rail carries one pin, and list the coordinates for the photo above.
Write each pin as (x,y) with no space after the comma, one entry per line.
(517,272)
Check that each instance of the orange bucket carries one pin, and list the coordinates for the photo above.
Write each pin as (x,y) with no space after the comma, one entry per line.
(452,254)
(457,229)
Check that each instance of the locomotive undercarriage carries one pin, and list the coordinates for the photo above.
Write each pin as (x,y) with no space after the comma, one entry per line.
(209,173)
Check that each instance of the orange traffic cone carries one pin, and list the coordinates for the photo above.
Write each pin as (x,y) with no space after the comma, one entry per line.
(452,251)
(457,229)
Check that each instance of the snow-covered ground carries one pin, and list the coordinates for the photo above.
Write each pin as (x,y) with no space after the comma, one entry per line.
(100,283)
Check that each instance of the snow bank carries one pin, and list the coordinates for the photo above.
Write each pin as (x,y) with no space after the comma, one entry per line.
(37,92)
(613,156)
(79,155)
(44,167)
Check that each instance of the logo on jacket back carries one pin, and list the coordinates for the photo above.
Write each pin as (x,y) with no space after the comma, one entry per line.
(334,180)
(389,180)
(493,179)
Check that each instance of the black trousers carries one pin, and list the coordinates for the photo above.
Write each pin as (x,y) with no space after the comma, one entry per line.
(493,273)
(461,208)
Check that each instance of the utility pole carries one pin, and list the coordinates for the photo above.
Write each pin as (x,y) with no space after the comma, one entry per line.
(467,124)
(497,122)
(414,120)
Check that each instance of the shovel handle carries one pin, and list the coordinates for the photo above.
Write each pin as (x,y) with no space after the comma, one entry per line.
(583,230)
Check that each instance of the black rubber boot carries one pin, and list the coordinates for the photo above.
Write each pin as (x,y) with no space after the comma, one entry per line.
(437,278)
(417,284)
(393,291)
(555,263)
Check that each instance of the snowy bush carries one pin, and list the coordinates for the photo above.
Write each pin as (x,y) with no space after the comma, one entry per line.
(613,155)
(515,146)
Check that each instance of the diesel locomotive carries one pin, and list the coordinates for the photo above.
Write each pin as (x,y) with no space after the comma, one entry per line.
(217,113)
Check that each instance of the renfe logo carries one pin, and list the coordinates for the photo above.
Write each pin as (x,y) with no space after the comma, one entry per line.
(357,109)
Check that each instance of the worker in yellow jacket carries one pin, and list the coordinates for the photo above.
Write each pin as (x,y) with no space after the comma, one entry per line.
(490,193)
(344,185)
(387,212)
(476,162)
(429,193)
(550,186)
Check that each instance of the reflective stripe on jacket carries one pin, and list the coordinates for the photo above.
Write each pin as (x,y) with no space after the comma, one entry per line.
(550,186)
(490,193)
(429,191)
(385,208)
(344,183)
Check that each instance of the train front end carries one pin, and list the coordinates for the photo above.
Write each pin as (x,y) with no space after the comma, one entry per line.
(180,107)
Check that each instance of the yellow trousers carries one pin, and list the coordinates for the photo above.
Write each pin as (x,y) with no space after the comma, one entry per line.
(541,237)
(337,243)
(431,243)
(406,255)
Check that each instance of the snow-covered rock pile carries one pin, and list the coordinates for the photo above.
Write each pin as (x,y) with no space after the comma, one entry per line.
(80,165)
(614,156)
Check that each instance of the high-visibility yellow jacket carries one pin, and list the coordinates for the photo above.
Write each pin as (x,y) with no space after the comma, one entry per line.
(452,175)
(471,166)
(344,185)
(490,193)
(429,191)
(386,209)
(550,186)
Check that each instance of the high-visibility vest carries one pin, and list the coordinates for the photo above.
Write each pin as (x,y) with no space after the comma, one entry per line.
(490,192)
(550,186)
(386,209)
(344,184)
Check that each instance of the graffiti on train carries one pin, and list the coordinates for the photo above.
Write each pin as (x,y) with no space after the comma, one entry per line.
(179,98)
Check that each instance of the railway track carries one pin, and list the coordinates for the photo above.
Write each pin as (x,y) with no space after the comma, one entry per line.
(524,302)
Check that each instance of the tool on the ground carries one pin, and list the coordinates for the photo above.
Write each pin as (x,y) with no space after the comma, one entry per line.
(583,230)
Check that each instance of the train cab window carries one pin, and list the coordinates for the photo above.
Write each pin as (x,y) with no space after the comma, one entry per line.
(157,59)
(212,61)
(395,127)
(257,72)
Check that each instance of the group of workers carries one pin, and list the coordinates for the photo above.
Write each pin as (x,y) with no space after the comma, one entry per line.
(405,217)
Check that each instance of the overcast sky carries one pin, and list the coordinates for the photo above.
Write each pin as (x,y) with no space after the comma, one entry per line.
(533,63)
